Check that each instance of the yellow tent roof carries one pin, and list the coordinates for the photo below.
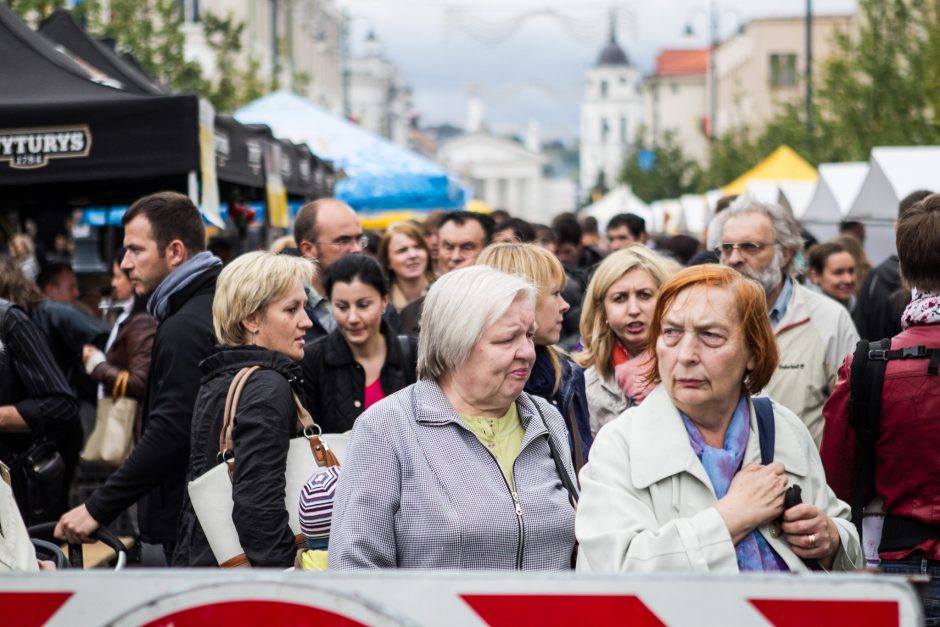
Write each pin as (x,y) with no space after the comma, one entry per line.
(783,164)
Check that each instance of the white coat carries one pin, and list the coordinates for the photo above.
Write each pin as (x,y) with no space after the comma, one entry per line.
(647,504)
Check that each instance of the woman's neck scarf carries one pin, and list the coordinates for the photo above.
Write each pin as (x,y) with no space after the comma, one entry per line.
(630,373)
(721,465)
(924,308)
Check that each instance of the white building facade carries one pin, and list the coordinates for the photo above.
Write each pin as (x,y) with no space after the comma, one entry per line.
(507,175)
(764,65)
(676,101)
(611,116)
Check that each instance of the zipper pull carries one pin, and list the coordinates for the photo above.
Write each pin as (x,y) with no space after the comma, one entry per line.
(515,500)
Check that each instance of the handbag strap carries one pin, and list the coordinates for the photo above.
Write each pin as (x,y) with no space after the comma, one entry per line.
(311,430)
(120,385)
(226,441)
(559,464)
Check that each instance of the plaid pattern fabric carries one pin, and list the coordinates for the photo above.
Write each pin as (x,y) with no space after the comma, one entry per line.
(418,490)
(316,503)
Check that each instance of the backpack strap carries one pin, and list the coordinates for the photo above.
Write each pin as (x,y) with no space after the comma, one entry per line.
(766,429)
(408,357)
(866,378)
(4,308)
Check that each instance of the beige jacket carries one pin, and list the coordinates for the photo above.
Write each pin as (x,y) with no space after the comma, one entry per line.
(813,338)
(647,504)
(605,399)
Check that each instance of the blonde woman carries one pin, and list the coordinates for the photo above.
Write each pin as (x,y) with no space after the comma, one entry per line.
(615,322)
(259,319)
(553,377)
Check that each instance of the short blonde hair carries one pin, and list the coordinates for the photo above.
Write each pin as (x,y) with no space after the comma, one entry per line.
(597,337)
(458,308)
(247,286)
(527,260)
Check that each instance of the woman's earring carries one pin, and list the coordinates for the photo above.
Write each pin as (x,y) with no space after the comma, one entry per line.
(253,338)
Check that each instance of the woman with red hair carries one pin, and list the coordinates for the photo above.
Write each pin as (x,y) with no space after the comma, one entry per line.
(695,478)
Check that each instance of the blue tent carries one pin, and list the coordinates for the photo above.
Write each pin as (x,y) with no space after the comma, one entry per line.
(379,174)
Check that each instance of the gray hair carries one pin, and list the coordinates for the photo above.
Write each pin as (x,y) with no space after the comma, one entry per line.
(458,308)
(787,232)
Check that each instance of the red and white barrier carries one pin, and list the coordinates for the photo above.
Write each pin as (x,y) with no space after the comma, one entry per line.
(181,598)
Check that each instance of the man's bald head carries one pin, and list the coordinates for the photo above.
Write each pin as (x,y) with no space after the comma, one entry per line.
(327,229)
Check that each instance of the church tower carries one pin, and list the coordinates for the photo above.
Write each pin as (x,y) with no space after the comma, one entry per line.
(611,115)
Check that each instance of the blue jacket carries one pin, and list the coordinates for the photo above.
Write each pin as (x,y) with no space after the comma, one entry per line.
(570,400)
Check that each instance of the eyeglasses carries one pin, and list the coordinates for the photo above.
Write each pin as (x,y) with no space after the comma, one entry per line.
(348,242)
(748,249)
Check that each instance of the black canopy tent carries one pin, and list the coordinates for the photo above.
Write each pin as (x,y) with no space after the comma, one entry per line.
(60,27)
(66,140)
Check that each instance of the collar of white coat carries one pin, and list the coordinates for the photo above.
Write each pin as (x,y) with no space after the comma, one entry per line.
(660,448)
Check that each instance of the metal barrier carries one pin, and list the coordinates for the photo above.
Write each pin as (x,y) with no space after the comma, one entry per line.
(184,598)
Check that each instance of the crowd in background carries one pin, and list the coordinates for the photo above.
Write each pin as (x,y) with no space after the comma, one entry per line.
(493,372)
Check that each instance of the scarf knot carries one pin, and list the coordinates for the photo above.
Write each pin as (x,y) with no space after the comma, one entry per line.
(188,272)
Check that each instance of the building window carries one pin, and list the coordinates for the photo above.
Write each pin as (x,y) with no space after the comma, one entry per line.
(603,89)
(623,129)
(783,70)
(189,9)
(605,130)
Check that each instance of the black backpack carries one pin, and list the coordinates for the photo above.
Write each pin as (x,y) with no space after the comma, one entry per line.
(866,380)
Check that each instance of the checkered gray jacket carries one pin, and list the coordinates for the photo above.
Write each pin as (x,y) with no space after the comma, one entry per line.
(419,490)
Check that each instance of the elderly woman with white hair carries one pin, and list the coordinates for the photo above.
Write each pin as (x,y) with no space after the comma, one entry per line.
(259,319)
(463,469)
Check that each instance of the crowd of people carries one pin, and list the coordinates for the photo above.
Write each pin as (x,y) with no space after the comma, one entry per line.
(519,396)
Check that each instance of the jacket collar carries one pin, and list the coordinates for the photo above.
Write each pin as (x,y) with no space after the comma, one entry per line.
(610,384)
(797,311)
(432,407)
(228,359)
(660,448)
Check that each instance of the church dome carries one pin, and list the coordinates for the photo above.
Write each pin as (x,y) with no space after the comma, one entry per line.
(612,54)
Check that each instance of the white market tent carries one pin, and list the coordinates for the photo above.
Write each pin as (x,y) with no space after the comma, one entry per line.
(621,199)
(668,216)
(763,191)
(838,187)
(893,173)
(694,213)
(794,196)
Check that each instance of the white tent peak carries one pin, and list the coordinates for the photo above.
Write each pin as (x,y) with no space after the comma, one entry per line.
(838,187)
(894,172)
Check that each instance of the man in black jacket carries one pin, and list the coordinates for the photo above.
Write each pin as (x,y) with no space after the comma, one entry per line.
(881,300)
(166,257)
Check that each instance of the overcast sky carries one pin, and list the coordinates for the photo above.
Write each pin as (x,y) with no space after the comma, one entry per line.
(527,58)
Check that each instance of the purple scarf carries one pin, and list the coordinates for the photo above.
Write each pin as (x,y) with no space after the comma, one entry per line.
(721,465)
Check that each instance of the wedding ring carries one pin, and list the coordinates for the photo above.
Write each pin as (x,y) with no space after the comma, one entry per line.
(812,540)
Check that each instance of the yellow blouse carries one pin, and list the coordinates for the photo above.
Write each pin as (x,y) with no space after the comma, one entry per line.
(501,436)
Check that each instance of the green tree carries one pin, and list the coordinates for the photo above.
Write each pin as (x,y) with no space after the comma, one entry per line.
(669,174)
(33,11)
(152,30)
(236,85)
